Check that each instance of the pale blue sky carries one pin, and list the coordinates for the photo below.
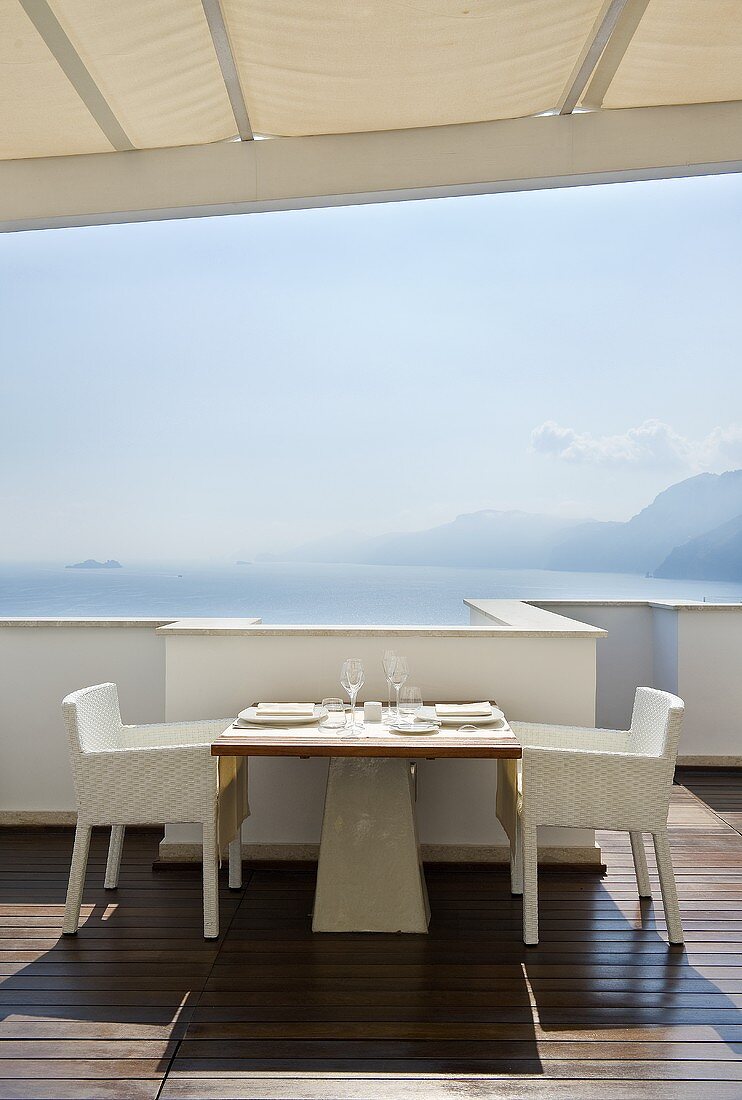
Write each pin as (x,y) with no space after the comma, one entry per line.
(210,388)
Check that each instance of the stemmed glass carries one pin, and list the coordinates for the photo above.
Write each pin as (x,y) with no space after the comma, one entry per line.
(398,677)
(387,663)
(352,680)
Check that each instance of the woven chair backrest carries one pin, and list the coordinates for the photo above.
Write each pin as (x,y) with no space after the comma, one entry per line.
(656,723)
(93,719)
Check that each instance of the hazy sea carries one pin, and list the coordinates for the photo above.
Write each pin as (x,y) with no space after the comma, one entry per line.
(292,593)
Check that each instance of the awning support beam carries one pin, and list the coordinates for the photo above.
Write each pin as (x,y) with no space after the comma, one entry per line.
(595,43)
(225,57)
(614,52)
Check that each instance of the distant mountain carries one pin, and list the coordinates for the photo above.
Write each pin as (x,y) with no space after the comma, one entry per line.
(714,556)
(487,539)
(91,563)
(682,512)
(689,524)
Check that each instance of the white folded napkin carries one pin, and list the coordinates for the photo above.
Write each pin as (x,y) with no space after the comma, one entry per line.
(286,710)
(463,710)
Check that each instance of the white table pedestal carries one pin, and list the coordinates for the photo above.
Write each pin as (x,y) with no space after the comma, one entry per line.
(370,876)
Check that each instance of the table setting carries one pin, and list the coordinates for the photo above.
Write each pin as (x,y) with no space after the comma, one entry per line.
(370,876)
(408,716)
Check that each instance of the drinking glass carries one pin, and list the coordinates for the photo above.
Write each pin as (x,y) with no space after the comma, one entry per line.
(332,716)
(410,704)
(399,676)
(388,665)
(352,680)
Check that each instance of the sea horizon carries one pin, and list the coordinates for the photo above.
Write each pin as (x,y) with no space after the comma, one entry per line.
(290,593)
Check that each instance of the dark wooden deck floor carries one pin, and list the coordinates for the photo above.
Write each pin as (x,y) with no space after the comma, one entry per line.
(140,1006)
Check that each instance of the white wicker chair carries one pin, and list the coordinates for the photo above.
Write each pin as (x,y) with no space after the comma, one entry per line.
(142,775)
(607,779)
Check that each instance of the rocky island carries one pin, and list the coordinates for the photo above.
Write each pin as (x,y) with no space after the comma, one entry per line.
(91,563)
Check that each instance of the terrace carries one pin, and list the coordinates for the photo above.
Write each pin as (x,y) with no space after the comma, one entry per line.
(163,111)
(138,1004)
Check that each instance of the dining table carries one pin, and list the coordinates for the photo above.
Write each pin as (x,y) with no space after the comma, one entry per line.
(370,875)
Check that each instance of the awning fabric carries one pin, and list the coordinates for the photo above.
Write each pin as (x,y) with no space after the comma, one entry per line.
(40,111)
(329,66)
(154,62)
(683,51)
(91,76)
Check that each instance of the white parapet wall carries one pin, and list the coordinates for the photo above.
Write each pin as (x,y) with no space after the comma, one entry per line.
(41,661)
(691,649)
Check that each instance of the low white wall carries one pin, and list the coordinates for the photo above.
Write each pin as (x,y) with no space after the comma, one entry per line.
(709,679)
(39,665)
(694,651)
(531,678)
(625,659)
(665,653)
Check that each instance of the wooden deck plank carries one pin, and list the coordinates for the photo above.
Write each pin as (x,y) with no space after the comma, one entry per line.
(449,1086)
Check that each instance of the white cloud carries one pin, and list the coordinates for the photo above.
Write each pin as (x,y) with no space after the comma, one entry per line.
(652,443)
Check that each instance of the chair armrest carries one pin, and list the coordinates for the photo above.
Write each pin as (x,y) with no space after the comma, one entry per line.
(173,734)
(148,784)
(611,790)
(570,738)
(150,756)
(546,753)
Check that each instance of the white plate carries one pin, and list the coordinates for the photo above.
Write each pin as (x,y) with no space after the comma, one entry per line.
(415,728)
(496,718)
(252,717)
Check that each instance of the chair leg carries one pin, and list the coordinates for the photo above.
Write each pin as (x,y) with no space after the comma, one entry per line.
(113,864)
(77,879)
(235,862)
(516,862)
(211,880)
(667,885)
(529,845)
(640,865)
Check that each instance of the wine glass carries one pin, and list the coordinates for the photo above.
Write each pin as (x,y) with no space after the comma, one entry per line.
(399,676)
(352,680)
(410,704)
(388,665)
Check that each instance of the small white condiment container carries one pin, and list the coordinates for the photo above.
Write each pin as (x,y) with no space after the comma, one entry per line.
(372,712)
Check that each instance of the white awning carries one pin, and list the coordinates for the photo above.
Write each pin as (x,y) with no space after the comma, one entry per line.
(110,77)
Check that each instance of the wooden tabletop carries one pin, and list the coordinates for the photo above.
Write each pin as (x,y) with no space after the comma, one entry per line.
(374,740)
